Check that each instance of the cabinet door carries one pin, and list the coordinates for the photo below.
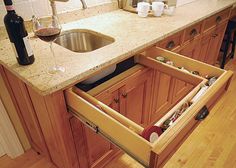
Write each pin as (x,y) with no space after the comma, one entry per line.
(110,98)
(96,151)
(192,49)
(162,95)
(100,151)
(212,42)
(205,43)
(180,90)
(135,98)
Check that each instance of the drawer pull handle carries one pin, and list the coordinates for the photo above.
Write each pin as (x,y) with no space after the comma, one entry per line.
(203,113)
(193,33)
(218,19)
(215,35)
(116,100)
(170,45)
(124,95)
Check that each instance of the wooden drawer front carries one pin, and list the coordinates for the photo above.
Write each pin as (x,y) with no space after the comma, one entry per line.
(233,12)
(216,19)
(173,42)
(126,133)
(192,32)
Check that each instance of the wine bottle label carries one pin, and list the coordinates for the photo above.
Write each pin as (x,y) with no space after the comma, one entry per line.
(14,49)
(27,46)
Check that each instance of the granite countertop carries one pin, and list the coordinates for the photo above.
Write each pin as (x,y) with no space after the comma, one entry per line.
(132,34)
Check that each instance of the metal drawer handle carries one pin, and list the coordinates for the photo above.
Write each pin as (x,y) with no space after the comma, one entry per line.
(124,95)
(193,33)
(170,45)
(116,100)
(215,35)
(218,19)
(203,113)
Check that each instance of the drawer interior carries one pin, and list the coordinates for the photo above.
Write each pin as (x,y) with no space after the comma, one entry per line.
(126,133)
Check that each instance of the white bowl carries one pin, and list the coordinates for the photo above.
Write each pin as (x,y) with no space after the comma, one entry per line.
(100,75)
(169,11)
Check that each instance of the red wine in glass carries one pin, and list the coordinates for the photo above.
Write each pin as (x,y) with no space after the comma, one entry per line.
(48,34)
(48,30)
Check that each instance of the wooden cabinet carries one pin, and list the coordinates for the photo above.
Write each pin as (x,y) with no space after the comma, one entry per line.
(93,150)
(131,98)
(172,42)
(26,112)
(135,98)
(144,96)
(191,49)
(200,41)
(192,32)
(162,98)
(180,90)
(127,135)
(211,42)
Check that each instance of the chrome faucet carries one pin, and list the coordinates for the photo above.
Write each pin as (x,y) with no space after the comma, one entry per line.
(53,5)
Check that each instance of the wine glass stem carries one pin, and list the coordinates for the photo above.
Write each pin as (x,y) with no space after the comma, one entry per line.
(53,54)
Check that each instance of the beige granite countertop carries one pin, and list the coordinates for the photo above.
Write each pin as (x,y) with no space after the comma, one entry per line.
(132,34)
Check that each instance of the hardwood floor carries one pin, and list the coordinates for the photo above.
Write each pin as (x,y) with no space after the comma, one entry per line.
(212,144)
(30,159)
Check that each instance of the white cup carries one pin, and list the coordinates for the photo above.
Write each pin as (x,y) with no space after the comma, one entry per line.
(143,9)
(169,10)
(157,8)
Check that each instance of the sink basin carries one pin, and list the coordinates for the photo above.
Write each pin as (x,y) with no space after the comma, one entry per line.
(82,40)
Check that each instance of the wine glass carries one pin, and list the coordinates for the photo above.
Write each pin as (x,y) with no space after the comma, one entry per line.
(48,29)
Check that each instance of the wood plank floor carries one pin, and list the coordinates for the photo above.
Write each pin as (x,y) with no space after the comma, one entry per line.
(30,159)
(212,144)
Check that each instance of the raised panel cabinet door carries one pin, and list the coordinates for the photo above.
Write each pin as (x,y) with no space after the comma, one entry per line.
(192,49)
(181,89)
(100,150)
(110,98)
(162,95)
(205,44)
(135,98)
(215,44)
(26,110)
(93,150)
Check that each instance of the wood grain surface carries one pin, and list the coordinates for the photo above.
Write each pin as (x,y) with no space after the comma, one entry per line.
(212,144)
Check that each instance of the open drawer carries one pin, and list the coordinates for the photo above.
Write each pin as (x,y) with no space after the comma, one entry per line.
(126,134)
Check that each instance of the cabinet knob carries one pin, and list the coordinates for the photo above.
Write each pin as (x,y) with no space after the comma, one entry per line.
(193,33)
(203,113)
(116,100)
(170,45)
(218,19)
(215,35)
(124,95)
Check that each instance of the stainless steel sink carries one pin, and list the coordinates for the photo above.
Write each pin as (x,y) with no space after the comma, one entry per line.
(82,40)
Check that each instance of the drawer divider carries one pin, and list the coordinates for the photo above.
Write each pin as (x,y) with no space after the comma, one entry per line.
(170,70)
(117,116)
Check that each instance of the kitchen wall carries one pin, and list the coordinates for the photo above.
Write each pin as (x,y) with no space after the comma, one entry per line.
(26,8)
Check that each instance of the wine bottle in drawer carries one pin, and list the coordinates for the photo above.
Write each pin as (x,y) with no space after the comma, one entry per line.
(18,35)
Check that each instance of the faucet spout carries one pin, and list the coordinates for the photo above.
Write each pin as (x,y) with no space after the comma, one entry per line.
(53,5)
(84,4)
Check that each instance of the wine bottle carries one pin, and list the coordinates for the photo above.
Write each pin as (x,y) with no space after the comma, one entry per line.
(18,35)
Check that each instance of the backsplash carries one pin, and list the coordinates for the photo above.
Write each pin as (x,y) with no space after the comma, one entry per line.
(26,8)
